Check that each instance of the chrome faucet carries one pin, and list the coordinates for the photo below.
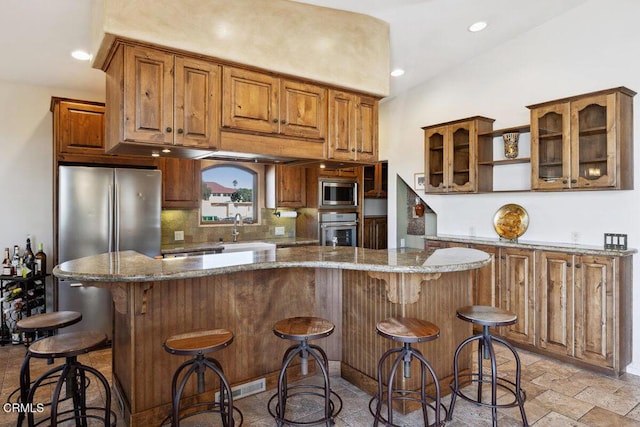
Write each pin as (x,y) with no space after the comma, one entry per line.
(235,226)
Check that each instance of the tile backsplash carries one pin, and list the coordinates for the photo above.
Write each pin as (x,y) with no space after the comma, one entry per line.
(188,221)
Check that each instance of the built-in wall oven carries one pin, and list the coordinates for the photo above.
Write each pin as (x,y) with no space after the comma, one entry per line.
(338,229)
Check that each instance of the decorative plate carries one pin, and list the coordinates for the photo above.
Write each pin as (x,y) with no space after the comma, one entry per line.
(511,221)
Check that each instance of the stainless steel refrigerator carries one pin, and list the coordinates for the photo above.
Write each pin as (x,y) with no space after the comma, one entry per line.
(103,210)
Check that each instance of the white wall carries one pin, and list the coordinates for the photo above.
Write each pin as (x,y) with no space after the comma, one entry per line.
(26,163)
(590,48)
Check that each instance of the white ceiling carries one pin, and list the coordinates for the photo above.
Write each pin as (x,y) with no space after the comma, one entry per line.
(427,36)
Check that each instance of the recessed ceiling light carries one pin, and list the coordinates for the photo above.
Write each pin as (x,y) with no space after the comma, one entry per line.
(477,26)
(81,55)
(397,72)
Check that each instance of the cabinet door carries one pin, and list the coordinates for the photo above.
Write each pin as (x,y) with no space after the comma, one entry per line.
(250,100)
(197,103)
(375,181)
(341,136)
(180,183)
(366,129)
(79,128)
(555,302)
(303,110)
(434,140)
(550,147)
(485,280)
(517,293)
(375,233)
(594,288)
(593,142)
(290,186)
(461,161)
(148,99)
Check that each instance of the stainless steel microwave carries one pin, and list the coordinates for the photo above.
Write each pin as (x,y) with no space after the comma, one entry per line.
(337,193)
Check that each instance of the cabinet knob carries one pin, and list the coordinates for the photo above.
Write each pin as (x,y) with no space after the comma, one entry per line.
(180,130)
(284,122)
(359,151)
(564,181)
(353,150)
(568,264)
(169,129)
(275,120)
(573,181)
(578,265)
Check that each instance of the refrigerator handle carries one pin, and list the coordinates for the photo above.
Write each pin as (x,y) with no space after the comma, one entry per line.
(110,210)
(116,214)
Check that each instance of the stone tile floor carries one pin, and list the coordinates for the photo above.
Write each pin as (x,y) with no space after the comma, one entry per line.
(558,395)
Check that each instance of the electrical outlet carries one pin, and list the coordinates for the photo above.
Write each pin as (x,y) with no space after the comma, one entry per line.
(178,235)
(279,231)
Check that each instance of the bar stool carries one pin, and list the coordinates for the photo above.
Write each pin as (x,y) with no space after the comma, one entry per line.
(304,329)
(406,330)
(45,324)
(486,317)
(199,343)
(74,375)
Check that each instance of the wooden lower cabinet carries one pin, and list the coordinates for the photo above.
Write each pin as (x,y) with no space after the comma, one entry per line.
(517,293)
(375,233)
(555,302)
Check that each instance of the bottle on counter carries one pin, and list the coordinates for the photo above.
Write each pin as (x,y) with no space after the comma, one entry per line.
(41,260)
(16,335)
(7,269)
(5,332)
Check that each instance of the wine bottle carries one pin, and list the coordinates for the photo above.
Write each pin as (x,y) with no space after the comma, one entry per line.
(7,269)
(16,335)
(41,260)
(15,260)
(28,258)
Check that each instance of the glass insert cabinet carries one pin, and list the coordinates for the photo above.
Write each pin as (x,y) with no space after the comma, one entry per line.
(583,142)
(451,156)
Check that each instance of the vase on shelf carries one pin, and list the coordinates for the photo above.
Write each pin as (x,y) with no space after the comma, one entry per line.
(419,207)
(511,144)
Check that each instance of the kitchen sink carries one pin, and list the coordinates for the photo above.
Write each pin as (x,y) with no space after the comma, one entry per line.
(247,246)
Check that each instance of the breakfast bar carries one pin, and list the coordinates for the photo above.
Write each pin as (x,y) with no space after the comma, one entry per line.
(248,291)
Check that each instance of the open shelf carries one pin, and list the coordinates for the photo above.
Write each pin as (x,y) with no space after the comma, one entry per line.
(500,132)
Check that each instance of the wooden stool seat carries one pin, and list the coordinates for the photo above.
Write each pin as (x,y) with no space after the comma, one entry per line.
(486,316)
(303,328)
(67,345)
(407,329)
(49,321)
(198,342)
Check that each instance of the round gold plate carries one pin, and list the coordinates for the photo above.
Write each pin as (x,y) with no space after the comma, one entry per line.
(511,221)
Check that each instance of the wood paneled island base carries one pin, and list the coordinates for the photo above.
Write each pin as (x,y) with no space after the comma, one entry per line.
(250,301)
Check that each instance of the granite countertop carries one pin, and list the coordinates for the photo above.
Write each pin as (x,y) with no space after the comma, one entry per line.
(530,244)
(180,248)
(129,266)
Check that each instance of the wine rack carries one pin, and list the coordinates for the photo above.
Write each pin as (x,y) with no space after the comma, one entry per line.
(21,297)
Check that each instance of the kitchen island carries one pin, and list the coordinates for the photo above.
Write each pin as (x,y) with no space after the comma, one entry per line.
(247,292)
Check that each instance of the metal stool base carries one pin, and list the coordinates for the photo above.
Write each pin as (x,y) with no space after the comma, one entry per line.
(486,351)
(73,374)
(286,393)
(224,406)
(389,395)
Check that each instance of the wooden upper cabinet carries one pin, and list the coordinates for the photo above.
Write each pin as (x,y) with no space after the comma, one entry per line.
(164,99)
(290,186)
(79,127)
(263,103)
(451,156)
(180,183)
(584,142)
(374,183)
(353,127)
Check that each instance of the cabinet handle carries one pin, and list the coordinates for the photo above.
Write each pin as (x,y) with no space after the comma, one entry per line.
(275,120)
(180,130)
(169,129)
